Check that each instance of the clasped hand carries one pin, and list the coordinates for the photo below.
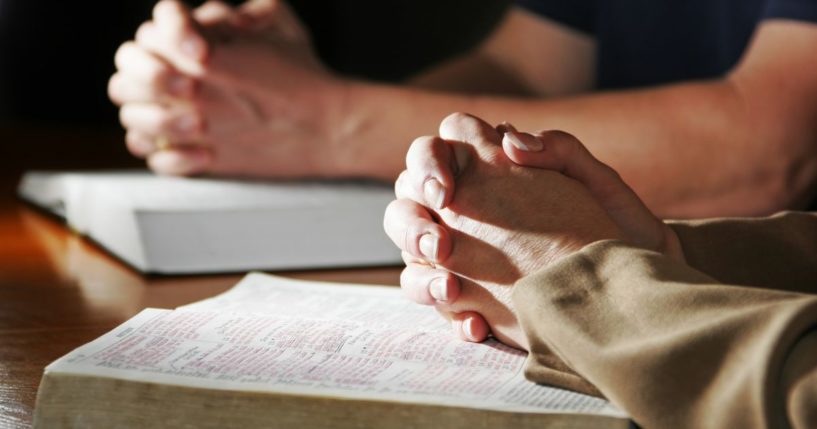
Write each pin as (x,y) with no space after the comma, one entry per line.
(479,207)
(227,90)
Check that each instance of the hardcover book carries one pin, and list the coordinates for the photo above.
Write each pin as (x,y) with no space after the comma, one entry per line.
(274,352)
(177,225)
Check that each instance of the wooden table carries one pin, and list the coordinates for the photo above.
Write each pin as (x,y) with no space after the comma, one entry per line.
(58,291)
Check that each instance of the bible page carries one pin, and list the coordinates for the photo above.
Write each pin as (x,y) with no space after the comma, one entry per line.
(344,350)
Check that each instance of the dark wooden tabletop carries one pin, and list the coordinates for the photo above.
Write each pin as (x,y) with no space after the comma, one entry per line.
(58,291)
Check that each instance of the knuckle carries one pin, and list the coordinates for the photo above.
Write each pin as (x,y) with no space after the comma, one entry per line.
(405,276)
(155,163)
(153,166)
(394,221)
(217,5)
(126,46)
(131,138)
(467,128)
(424,141)
(136,144)
(411,282)
(163,6)
(172,163)
(392,208)
(123,53)
(421,150)
(407,283)
(142,36)
(400,183)
(124,115)
(114,88)
(456,119)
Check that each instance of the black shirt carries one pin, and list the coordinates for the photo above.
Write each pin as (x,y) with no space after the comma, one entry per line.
(649,42)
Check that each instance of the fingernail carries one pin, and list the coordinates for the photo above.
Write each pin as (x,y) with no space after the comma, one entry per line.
(180,85)
(186,123)
(434,193)
(468,328)
(429,244)
(193,47)
(439,289)
(523,142)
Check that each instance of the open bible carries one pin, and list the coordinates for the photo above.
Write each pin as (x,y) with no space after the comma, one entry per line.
(178,225)
(274,352)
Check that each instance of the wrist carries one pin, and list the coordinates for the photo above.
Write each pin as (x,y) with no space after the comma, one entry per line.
(360,144)
(333,100)
(343,125)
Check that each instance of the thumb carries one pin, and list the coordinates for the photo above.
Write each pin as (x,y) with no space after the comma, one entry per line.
(564,153)
(273,16)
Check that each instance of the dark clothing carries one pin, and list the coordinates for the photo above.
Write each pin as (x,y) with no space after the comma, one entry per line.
(650,42)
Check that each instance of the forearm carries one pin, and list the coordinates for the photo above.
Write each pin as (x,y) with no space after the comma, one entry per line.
(688,150)
(670,345)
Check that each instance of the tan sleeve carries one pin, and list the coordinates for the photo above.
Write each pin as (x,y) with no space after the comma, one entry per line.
(778,252)
(670,345)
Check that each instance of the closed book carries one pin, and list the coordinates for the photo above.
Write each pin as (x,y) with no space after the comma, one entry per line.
(177,225)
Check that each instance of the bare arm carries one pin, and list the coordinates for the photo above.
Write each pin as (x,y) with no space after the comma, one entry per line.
(742,145)
(263,106)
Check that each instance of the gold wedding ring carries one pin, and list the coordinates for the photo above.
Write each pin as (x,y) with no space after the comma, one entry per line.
(162,143)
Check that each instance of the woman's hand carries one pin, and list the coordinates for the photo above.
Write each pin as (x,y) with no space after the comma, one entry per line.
(472,217)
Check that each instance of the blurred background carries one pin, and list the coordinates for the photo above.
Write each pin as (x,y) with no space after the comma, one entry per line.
(56,58)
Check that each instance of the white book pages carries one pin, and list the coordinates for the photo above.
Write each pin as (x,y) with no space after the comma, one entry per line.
(148,192)
(176,225)
(285,297)
(327,340)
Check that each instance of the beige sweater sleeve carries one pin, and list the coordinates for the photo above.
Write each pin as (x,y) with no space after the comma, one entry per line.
(673,346)
(778,252)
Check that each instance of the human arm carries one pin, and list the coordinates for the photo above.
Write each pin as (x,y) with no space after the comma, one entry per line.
(300,127)
(742,144)
(671,345)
